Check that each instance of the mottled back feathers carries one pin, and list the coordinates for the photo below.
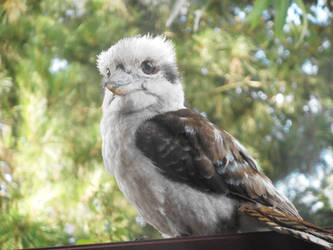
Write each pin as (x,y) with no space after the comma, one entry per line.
(187,148)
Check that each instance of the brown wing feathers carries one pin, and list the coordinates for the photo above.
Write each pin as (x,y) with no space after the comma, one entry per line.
(187,148)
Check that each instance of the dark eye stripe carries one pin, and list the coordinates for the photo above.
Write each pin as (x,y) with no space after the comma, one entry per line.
(120,66)
(170,72)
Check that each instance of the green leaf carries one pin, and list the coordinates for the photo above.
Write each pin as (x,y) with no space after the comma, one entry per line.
(119,219)
(255,15)
(281,8)
(85,241)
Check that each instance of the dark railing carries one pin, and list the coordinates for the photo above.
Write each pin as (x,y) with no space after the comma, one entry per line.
(244,241)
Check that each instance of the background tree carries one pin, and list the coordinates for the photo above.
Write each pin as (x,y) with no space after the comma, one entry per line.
(260,70)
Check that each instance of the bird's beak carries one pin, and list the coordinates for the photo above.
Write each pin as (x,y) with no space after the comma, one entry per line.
(115,87)
(115,90)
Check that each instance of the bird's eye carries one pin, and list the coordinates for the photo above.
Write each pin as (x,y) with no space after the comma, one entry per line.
(120,66)
(108,72)
(148,67)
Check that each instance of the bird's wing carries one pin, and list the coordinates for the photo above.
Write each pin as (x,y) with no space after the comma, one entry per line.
(187,148)
(283,222)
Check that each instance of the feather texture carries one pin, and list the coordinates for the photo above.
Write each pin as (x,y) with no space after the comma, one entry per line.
(187,148)
(283,222)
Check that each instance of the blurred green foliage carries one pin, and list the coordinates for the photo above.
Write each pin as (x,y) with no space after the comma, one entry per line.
(252,68)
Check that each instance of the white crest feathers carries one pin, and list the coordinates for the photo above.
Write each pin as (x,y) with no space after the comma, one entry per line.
(156,48)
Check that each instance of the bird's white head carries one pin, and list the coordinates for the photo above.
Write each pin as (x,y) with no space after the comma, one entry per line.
(140,75)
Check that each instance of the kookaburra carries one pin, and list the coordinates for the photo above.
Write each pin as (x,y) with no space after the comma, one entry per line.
(184,175)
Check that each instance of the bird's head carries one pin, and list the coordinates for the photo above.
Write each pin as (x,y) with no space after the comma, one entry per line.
(140,73)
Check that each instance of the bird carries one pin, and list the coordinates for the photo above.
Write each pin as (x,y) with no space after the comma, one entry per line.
(184,175)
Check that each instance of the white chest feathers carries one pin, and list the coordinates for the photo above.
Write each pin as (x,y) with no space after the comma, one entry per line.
(172,208)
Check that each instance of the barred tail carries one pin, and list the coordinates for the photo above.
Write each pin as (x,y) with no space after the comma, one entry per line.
(283,222)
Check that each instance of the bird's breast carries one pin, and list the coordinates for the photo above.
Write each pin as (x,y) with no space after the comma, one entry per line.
(172,208)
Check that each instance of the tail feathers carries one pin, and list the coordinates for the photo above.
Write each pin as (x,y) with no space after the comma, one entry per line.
(304,236)
(283,222)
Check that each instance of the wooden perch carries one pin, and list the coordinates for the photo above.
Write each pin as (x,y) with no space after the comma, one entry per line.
(244,241)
